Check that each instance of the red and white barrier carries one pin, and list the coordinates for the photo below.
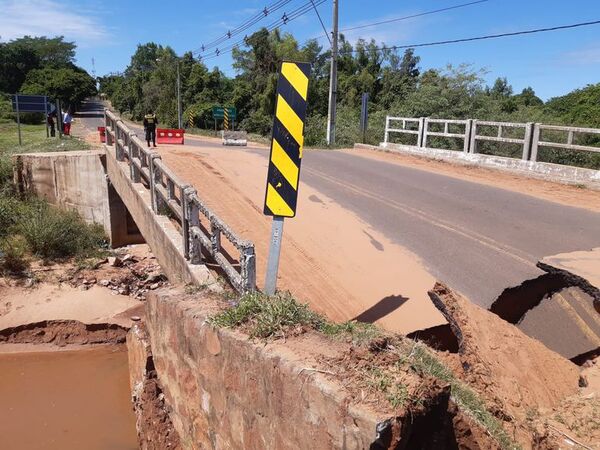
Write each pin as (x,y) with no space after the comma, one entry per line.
(169,136)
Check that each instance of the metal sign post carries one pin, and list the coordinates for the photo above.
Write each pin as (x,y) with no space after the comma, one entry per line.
(283,176)
(18,119)
(46,117)
(364,116)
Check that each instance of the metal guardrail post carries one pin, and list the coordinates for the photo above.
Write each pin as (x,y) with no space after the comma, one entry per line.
(527,141)
(535,141)
(473,137)
(421,132)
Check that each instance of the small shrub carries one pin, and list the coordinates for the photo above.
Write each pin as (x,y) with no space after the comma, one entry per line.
(266,316)
(53,234)
(10,212)
(14,255)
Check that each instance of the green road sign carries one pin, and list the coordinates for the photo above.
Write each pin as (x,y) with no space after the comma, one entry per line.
(218,112)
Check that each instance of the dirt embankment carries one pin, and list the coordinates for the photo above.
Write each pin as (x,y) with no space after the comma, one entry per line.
(546,400)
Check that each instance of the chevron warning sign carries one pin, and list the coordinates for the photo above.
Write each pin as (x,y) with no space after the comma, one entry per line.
(288,139)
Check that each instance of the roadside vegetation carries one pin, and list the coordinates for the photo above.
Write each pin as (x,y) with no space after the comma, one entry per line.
(395,82)
(31,229)
(280,316)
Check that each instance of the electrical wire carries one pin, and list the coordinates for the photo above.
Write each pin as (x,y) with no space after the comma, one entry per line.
(480,38)
(244,26)
(322,24)
(285,19)
(425,13)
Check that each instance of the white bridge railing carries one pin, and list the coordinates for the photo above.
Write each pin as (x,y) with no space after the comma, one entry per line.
(201,229)
(530,136)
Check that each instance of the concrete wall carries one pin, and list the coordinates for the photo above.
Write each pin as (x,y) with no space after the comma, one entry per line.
(225,391)
(73,180)
(77,180)
(159,232)
(540,170)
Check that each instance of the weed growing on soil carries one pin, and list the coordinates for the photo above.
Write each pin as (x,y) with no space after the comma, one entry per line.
(382,381)
(53,234)
(273,317)
(422,361)
(14,255)
(264,317)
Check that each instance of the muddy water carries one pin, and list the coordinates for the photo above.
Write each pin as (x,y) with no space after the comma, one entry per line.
(67,400)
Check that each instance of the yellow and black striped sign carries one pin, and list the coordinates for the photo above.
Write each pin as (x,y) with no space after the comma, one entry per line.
(288,139)
(226,118)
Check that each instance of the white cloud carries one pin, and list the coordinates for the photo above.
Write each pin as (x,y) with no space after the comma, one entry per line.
(398,32)
(48,18)
(583,56)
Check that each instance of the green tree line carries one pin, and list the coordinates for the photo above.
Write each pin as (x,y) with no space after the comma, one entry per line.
(395,83)
(42,66)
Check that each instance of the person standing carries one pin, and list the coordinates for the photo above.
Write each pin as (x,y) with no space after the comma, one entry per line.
(150,123)
(51,117)
(67,119)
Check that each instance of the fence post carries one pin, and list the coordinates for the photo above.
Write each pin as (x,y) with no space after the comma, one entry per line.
(248,268)
(185,225)
(527,141)
(535,142)
(468,131)
(215,238)
(387,130)
(424,132)
(420,131)
(473,137)
(153,176)
(194,221)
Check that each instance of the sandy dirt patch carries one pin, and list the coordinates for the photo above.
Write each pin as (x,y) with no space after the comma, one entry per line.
(350,272)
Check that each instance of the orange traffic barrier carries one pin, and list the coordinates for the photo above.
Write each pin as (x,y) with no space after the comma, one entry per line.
(169,136)
(102,131)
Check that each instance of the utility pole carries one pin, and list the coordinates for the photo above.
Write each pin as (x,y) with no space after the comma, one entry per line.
(333,79)
(179,111)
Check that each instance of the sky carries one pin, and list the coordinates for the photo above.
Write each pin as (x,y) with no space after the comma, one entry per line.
(553,63)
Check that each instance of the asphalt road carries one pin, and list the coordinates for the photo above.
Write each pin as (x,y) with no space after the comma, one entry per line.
(477,238)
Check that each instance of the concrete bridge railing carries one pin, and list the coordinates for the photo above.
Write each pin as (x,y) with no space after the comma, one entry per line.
(530,136)
(200,228)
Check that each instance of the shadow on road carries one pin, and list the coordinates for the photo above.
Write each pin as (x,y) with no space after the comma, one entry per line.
(382,308)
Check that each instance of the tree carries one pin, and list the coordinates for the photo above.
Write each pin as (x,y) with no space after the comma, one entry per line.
(70,85)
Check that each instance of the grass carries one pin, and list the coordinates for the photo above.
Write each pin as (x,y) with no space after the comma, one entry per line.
(34,140)
(32,228)
(422,361)
(267,317)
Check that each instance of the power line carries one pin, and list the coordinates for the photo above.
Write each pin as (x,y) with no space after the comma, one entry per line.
(285,19)
(245,25)
(322,24)
(398,19)
(480,38)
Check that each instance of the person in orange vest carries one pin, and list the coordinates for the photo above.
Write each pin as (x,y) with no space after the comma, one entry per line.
(150,123)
